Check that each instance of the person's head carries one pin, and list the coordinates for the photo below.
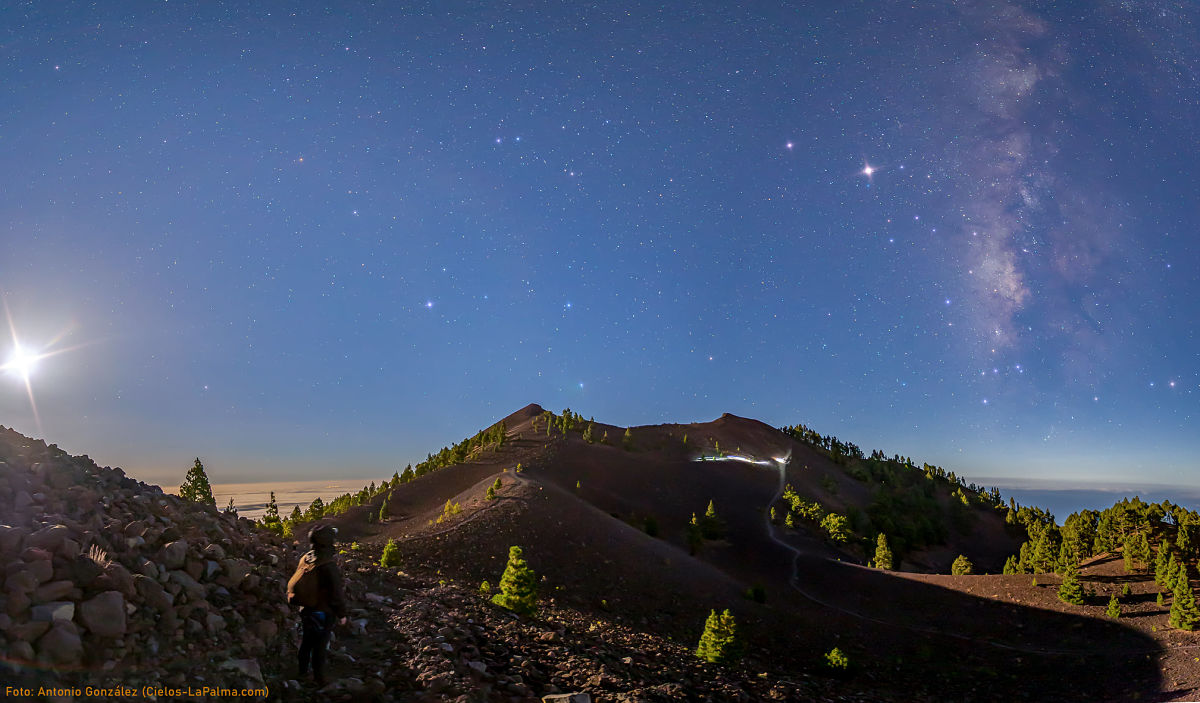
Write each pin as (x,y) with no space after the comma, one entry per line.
(322,537)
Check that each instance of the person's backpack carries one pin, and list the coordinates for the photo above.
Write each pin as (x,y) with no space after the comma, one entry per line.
(304,588)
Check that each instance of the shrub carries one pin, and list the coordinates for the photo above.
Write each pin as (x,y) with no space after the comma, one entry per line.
(518,590)
(837,660)
(391,554)
(836,528)
(485,588)
(719,643)
(757,593)
(962,566)
(491,493)
(1126,591)
(1114,608)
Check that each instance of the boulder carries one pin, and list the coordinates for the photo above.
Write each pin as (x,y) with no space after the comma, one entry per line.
(235,571)
(174,554)
(28,631)
(104,615)
(189,585)
(56,610)
(12,541)
(49,538)
(55,590)
(61,644)
(247,667)
(153,594)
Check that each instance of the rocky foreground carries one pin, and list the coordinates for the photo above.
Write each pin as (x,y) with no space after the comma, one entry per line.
(110,583)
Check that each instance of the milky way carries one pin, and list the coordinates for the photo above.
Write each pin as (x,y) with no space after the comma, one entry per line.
(348,235)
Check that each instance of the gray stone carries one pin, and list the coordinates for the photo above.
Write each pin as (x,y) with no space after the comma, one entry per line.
(214,623)
(57,610)
(61,644)
(49,538)
(236,571)
(190,586)
(27,631)
(104,615)
(153,594)
(21,652)
(12,540)
(247,667)
(55,590)
(24,581)
(174,554)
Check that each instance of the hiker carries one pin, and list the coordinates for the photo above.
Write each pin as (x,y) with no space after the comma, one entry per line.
(317,588)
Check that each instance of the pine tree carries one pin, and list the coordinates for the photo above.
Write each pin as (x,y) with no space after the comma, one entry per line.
(316,510)
(712,527)
(1184,615)
(295,516)
(497,484)
(391,555)
(1185,539)
(385,510)
(491,493)
(719,642)
(1159,598)
(588,433)
(518,590)
(883,553)
(231,509)
(627,439)
(1010,566)
(962,566)
(1114,608)
(1172,573)
(1160,563)
(1070,590)
(1127,551)
(195,486)
(272,514)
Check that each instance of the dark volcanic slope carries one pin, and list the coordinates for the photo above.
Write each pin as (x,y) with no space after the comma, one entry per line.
(579,512)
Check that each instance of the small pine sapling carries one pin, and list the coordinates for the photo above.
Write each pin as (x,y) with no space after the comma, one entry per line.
(391,555)
(719,642)
(518,590)
(1070,590)
(1114,608)
(491,493)
(836,660)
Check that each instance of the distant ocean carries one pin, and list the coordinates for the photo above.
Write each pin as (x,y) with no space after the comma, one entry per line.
(1062,500)
(250,499)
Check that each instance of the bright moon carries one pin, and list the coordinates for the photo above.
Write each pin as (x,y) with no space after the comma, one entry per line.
(21,363)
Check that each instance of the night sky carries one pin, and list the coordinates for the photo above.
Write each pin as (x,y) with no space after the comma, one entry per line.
(302,239)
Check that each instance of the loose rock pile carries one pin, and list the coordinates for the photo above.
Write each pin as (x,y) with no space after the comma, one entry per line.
(107,581)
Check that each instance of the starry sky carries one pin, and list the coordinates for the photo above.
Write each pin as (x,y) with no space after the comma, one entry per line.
(302,239)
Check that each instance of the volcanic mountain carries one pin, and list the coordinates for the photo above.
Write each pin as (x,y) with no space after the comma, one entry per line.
(635,535)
